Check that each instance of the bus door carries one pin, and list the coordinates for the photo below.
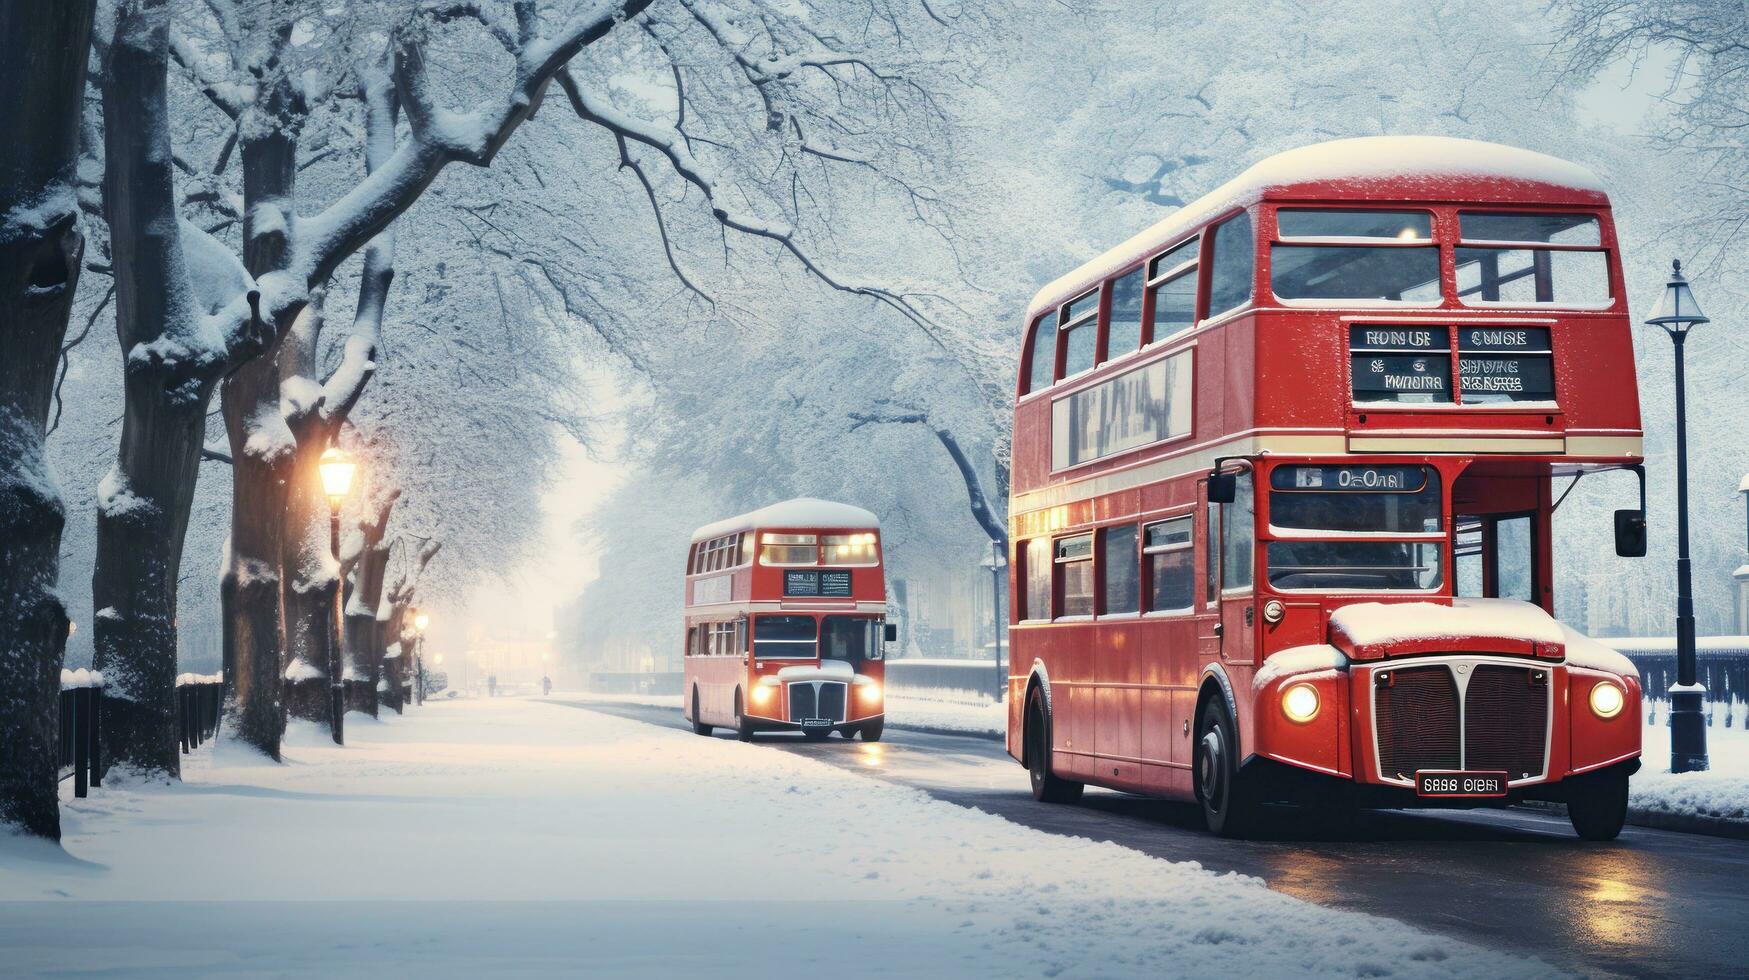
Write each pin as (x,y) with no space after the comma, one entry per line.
(1498,556)
(1238,542)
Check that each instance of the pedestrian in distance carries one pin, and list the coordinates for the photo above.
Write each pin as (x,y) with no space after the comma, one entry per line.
(546,685)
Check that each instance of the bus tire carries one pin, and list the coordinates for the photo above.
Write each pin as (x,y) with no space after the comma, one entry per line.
(743,726)
(1599,806)
(1047,786)
(1228,808)
(871,732)
(698,725)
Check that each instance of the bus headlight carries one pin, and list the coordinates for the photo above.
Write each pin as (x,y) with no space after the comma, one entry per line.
(1607,700)
(762,693)
(870,693)
(1300,703)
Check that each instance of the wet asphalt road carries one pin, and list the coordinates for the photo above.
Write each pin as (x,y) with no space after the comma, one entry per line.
(1652,903)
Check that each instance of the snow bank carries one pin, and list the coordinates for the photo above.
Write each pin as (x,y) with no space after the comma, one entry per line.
(184,680)
(1720,793)
(1369,623)
(609,839)
(800,512)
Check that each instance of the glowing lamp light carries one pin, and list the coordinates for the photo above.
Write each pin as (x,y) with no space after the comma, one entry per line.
(1408,235)
(1607,700)
(1300,703)
(420,621)
(337,471)
(440,660)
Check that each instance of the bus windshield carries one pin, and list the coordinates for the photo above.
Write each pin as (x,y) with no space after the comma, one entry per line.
(784,637)
(850,639)
(1350,508)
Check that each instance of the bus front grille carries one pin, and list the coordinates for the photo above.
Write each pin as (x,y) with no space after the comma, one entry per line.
(816,699)
(1506,721)
(1499,723)
(1417,721)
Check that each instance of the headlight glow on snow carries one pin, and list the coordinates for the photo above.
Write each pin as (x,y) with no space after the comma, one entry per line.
(1606,700)
(1300,703)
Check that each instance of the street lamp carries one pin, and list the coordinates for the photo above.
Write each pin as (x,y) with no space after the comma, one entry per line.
(420,620)
(337,470)
(997,563)
(1677,312)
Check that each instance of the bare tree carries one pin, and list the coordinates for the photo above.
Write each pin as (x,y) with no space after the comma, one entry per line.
(1707,90)
(43,49)
(185,308)
(365,557)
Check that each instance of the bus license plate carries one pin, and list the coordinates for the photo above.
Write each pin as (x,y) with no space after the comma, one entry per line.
(816,722)
(1448,783)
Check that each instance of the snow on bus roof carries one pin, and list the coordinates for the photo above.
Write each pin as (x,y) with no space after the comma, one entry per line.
(1423,159)
(800,512)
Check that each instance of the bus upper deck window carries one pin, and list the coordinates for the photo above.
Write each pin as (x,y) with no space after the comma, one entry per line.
(1521,259)
(790,549)
(850,549)
(1354,254)
(1172,284)
(1231,264)
(1124,333)
(1080,333)
(1043,357)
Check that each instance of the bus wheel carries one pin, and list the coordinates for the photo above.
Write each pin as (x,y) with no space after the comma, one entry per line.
(743,727)
(698,725)
(1226,806)
(1599,806)
(871,732)
(1047,787)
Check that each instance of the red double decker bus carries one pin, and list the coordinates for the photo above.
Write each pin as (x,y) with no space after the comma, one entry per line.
(786,621)
(1284,466)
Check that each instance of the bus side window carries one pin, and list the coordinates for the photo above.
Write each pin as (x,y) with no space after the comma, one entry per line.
(1038,579)
(1237,551)
(1231,260)
(1042,359)
(1211,552)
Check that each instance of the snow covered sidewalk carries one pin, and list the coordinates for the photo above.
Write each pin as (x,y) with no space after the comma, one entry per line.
(516,837)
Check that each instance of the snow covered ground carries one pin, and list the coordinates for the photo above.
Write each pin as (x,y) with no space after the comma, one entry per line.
(1720,793)
(517,837)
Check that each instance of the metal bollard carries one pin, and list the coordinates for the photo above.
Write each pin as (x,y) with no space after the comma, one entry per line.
(81,743)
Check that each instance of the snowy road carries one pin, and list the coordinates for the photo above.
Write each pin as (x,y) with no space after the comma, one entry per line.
(1654,903)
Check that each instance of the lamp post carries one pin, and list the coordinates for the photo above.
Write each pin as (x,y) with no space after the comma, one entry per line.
(997,563)
(420,621)
(1677,312)
(337,469)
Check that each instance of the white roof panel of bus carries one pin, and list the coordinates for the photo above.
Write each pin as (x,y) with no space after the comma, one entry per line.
(800,512)
(1362,158)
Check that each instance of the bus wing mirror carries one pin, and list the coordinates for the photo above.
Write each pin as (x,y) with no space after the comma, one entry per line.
(890,632)
(1630,533)
(1223,487)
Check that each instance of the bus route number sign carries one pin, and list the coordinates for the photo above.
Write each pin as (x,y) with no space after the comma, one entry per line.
(1377,479)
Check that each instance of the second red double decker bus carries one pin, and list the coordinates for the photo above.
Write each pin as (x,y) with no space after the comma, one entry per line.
(1284,468)
(786,622)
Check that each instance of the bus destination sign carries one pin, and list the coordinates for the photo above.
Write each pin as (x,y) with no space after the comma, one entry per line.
(1382,338)
(1384,377)
(1385,479)
(811,584)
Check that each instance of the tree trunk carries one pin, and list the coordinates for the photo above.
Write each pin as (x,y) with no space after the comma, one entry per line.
(169,375)
(364,646)
(43,48)
(308,593)
(394,658)
(263,454)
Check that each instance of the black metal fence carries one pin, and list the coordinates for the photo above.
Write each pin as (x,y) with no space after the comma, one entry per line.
(81,712)
(199,698)
(1721,666)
